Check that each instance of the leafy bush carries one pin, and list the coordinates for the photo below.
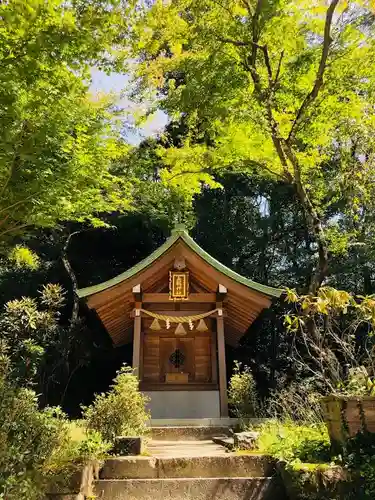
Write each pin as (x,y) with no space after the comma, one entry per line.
(242,392)
(291,442)
(358,383)
(298,402)
(311,472)
(359,459)
(23,258)
(27,436)
(329,339)
(121,411)
(71,455)
(36,446)
(27,329)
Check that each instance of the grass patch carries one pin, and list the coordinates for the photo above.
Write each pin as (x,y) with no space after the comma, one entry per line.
(290,441)
(310,467)
(77,430)
(250,452)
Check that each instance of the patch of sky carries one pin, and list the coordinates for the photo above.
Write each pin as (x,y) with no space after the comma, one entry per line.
(118,84)
(264,206)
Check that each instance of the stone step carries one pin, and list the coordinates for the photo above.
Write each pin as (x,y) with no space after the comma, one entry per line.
(161,449)
(195,422)
(187,433)
(223,488)
(226,465)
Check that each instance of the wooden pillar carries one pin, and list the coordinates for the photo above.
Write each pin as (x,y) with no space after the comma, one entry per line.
(137,331)
(222,364)
(137,342)
(214,374)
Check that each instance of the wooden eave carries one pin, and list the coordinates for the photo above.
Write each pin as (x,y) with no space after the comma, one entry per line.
(113,300)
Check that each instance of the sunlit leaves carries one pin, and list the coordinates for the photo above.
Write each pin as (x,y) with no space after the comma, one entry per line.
(330,302)
(57,142)
(23,257)
(204,48)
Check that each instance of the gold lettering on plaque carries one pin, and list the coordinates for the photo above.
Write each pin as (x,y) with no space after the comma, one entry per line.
(179,285)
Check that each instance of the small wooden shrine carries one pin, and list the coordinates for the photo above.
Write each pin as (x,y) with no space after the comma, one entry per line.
(179,307)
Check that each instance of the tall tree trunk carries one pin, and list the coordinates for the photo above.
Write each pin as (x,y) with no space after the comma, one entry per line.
(314,221)
(286,147)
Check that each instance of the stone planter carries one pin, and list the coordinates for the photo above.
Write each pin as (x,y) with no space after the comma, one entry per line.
(128,446)
(316,482)
(346,416)
(79,486)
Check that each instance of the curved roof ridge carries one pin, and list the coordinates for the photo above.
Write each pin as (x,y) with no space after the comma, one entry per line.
(179,232)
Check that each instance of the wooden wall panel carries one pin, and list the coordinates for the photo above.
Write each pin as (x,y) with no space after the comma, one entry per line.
(151,358)
(167,346)
(203,369)
(197,351)
(187,346)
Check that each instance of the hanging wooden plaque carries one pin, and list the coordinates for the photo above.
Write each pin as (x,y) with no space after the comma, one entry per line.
(178,285)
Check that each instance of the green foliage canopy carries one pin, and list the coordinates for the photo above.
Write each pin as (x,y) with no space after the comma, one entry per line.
(283,87)
(57,142)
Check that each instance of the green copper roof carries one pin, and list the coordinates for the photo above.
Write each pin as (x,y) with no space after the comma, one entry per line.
(179,232)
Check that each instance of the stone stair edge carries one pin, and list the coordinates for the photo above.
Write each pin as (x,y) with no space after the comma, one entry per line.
(180,488)
(193,422)
(229,455)
(203,422)
(172,427)
(207,466)
(169,479)
(187,433)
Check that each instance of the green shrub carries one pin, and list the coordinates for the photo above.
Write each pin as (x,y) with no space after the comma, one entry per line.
(28,327)
(359,458)
(23,258)
(72,453)
(121,411)
(299,402)
(36,446)
(309,470)
(358,383)
(27,437)
(292,442)
(242,393)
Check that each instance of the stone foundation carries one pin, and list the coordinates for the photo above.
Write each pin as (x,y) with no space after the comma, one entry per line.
(183,404)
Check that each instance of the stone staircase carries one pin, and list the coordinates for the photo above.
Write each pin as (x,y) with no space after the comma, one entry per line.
(184,464)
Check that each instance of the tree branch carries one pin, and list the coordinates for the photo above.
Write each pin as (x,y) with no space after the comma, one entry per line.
(16,157)
(320,73)
(251,66)
(314,222)
(283,147)
(237,43)
(73,279)
(190,172)
(14,228)
(8,179)
(278,69)
(255,31)
(3,221)
(248,7)
(20,202)
(276,174)
(264,49)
